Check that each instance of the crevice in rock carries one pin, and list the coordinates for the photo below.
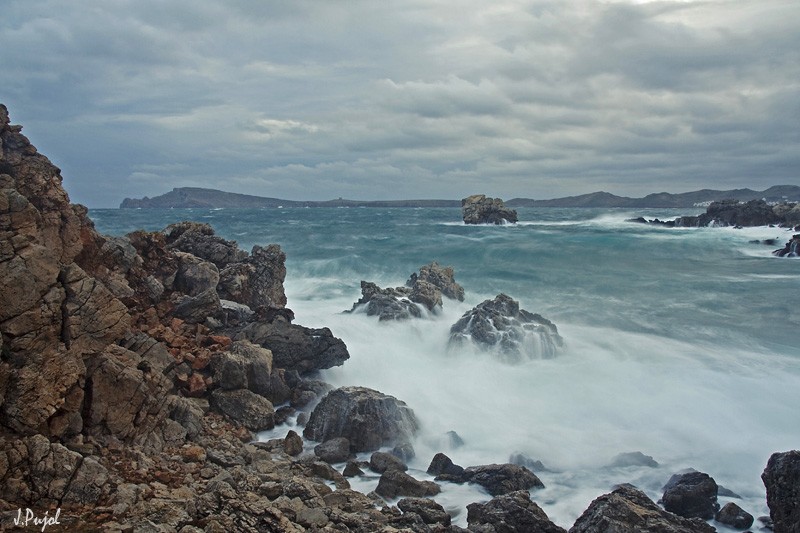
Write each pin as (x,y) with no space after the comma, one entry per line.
(65,336)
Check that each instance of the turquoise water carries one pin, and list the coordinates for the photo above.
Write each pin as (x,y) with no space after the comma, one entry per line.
(680,343)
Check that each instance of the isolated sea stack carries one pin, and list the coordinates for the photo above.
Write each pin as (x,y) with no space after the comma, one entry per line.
(478,209)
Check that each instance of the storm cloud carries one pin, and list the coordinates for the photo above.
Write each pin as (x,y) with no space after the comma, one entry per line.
(413,99)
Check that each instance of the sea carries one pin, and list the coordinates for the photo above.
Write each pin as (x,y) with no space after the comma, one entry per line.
(680,343)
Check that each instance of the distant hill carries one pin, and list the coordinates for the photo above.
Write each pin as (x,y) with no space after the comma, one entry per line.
(184,197)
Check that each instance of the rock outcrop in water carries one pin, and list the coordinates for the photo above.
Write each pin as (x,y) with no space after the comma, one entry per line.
(401,303)
(792,248)
(735,213)
(501,325)
(691,495)
(782,479)
(512,512)
(478,209)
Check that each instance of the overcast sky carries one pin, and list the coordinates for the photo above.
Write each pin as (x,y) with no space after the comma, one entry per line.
(406,99)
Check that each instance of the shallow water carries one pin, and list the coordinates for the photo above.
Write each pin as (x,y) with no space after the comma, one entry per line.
(680,343)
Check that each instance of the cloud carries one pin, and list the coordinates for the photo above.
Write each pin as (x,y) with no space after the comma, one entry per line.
(305,99)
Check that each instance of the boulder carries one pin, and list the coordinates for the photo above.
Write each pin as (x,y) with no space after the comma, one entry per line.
(782,479)
(368,418)
(691,495)
(441,465)
(296,347)
(627,509)
(515,334)
(734,516)
(243,366)
(257,281)
(510,513)
(335,450)
(249,409)
(441,277)
(293,443)
(199,239)
(380,462)
(430,511)
(633,459)
(478,209)
(196,309)
(502,478)
(394,483)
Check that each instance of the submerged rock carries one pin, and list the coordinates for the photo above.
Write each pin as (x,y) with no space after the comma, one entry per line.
(734,516)
(516,334)
(782,479)
(478,209)
(368,418)
(633,459)
(627,509)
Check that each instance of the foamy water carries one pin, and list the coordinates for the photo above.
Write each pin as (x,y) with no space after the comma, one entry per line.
(679,343)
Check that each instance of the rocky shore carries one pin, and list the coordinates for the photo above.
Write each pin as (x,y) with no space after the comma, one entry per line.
(135,371)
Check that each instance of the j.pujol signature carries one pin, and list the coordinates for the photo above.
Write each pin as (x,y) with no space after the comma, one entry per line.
(29,518)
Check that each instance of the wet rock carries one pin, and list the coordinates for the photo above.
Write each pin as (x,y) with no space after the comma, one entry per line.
(510,513)
(523,460)
(441,277)
(792,248)
(335,450)
(502,478)
(293,443)
(691,495)
(368,418)
(386,304)
(352,469)
(516,334)
(627,509)
(781,478)
(394,483)
(249,409)
(478,209)
(734,516)
(296,347)
(430,511)
(380,462)
(441,465)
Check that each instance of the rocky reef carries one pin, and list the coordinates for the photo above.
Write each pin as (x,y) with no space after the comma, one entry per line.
(134,371)
(738,214)
(478,209)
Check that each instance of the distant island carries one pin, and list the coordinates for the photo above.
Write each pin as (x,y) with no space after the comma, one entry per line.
(198,197)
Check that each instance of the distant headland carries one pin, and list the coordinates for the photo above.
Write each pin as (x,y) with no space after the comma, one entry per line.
(198,197)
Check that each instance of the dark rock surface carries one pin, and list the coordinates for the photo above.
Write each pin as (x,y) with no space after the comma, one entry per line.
(253,411)
(502,478)
(335,450)
(368,418)
(430,511)
(386,304)
(380,462)
(782,479)
(500,324)
(734,516)
(510,513)
(735,213)
(633,459)
(394,483)
(441,465)
(628,510)
(792,248)
(478,209)
(691,495)
(441,277)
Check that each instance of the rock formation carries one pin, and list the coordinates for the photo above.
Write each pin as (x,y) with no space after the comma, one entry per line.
(516,334)
(510,513)
(735,213)
(792,248)
(691,495)
(478,209)
(782,479)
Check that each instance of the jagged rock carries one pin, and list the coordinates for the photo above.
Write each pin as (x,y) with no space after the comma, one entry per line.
(478,209)
(782,479)
(792,248)
(510,513)
(196,309)
(351,469)
(386,304)
(430,511)
(500,324)
(426,294)
(368,418)
(199,239)
(502,478)
(394,483)
(627,509)
(380,462)
(734,516)
(443,278)
(633,459)
(335,450)
(523,460)
(257,281)
(251,410)
(195,275)
(691,495)
(243,366)
(735,213)
(296,347)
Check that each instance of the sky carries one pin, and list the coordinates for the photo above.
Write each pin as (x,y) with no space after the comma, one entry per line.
(313,100)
